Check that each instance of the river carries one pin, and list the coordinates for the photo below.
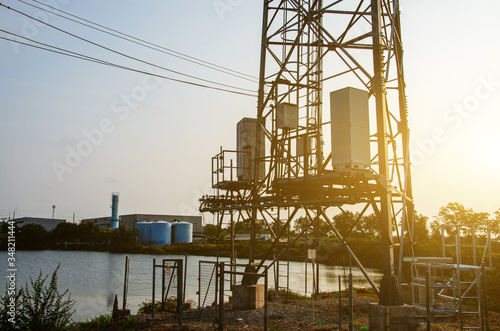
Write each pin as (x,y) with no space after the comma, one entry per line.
(94,278)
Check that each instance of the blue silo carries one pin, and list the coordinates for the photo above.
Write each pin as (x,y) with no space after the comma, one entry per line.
(144,231)
(140,226)
(161,233)
(182,232)
(114,211)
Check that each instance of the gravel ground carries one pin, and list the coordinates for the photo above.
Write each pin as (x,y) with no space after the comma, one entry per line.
(293,315)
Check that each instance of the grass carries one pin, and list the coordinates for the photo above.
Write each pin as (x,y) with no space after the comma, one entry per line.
(146,307)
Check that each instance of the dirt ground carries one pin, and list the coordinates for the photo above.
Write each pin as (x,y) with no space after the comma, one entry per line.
(295,315)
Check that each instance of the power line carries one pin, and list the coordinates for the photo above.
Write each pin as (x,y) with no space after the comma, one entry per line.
(123,54)
(144,43)
(91,59)
(62,50)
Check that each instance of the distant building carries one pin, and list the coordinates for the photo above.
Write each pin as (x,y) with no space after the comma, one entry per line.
(131,219)
(48,223)
(246,237)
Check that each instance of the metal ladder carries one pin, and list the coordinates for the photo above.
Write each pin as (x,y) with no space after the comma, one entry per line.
(469,277)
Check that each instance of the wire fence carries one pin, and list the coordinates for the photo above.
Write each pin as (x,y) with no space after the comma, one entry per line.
(139,280)
(207,284)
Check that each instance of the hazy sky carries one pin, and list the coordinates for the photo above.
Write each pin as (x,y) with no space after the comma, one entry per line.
(72,132)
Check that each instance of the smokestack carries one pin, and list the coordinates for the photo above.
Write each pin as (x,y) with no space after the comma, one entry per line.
(114,210)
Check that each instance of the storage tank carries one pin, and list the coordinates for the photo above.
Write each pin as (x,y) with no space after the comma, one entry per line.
(182,232)
(161,233)
(144,231)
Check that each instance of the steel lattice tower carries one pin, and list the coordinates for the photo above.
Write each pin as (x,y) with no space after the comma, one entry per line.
(309,46)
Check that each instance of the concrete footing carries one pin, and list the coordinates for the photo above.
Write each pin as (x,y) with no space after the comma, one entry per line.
(392,318)
(248,296)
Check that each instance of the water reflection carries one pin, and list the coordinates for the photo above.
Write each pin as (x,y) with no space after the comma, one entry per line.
(94,278)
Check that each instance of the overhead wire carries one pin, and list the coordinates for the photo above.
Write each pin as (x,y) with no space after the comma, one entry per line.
(91,59)
(61,50)
(125,55)
(143,42)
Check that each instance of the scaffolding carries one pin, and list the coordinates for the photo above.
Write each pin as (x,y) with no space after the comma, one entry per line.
(451,288)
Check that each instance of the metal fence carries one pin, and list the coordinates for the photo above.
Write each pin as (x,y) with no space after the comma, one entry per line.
(207,285)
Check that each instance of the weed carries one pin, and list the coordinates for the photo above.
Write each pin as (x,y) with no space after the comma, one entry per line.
(38,306)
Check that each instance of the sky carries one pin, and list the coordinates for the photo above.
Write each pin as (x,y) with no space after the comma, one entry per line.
(72,132)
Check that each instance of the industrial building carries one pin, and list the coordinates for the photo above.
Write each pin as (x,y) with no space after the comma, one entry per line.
(131,219)
(48,223)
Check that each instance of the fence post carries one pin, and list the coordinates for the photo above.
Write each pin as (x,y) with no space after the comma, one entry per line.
(185,275)
(125,283)
(340,304)
(428,299)
(180,289)
(350,300)
(199,287)
(217,277)
(484,295)
(154,280)
(265,296)
(163,285)
(221,296)
(306,275)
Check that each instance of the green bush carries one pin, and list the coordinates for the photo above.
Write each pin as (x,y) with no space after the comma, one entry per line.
(38,306)
(146,307)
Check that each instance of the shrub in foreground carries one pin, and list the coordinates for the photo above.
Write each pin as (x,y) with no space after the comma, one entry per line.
(37,306)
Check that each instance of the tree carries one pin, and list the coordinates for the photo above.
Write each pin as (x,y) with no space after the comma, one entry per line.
(210,230)
(123,238)
(345,224)
(65,231)
(278,226)
(32,236)
(495,223)
(420,230)
(103,235)
(456,214)
(370,225)
(305,224)
(243,227)
(87,231)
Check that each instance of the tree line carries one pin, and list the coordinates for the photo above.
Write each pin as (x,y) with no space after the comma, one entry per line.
(353,225)
(35,236)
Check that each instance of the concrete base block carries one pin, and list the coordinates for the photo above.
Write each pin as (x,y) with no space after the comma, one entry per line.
(419,292)
(392,318)
(248,296)
(406,293)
